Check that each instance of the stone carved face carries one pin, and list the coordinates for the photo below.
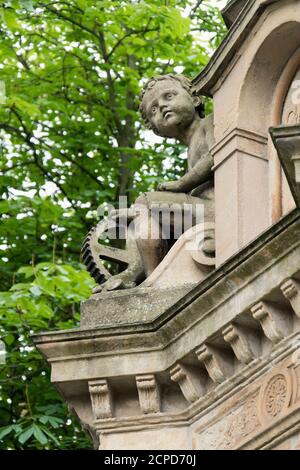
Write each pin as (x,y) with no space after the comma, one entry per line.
(169,108)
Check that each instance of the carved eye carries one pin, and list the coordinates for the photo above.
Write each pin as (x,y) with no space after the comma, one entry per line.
(153,109)
(170,96)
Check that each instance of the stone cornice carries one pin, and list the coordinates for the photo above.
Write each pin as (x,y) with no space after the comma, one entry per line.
(244,379)
(206,80)
(231,11)
(210,368)
(227,269)
(237,141)
(242,133)
(217,301)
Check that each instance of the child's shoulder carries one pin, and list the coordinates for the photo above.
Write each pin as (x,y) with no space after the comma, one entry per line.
(208,121)
(208,129)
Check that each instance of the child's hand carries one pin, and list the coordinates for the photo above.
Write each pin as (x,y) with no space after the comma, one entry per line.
(128,213)
(172,186)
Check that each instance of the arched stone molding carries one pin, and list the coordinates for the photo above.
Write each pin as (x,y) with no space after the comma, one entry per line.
(281,199)
(245,98)
(268,68)
(262,98)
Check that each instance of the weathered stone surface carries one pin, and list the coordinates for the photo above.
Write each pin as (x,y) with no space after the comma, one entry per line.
(127,356)
(287,142)
(243,113)
(157,344)
(128,306)
(170,107)
(101,399)
(148,393)
(189,382)
(232,10)
(215,363)
(291,290)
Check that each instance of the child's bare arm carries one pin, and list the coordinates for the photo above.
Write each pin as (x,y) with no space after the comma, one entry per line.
(200,173)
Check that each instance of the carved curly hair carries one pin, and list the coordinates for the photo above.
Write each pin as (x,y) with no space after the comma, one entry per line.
(184,82)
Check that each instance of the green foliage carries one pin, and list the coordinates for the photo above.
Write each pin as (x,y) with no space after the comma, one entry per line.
(72,139)
(32,415)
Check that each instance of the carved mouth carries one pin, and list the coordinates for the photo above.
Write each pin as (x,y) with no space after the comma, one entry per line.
(167,114)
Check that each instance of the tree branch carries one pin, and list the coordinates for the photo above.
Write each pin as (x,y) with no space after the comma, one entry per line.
(70,20)
(128,34)
(195,8)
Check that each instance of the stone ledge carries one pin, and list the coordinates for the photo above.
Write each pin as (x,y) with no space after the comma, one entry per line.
(198,409)
(188,324)
(208,348)
(270,241)
(126,307)
(231,417)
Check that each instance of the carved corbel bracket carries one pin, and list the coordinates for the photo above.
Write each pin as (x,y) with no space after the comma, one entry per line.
(148,391)
(274,322)
(239,342)
(291,290)
(189,384)
(101,399)
(213,362)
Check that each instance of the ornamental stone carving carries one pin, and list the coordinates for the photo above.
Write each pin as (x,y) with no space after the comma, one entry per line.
(275,396)
(188,382)
(239,343)
(148,393)
(243,423)
(291,290)
(101,399)
(171,108)
(274,321)
(233,428)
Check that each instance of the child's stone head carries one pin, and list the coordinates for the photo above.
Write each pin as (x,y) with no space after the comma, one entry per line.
(169,104)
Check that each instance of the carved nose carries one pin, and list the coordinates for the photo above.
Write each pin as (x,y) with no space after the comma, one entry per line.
(162,105)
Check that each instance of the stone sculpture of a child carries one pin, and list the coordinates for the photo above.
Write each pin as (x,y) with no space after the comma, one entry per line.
(171,108)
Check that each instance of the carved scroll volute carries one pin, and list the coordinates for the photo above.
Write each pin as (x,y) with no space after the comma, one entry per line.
(274,322)
(240,343)
(198,236)
(291,290)
(101,399)
(148,391)
(189,384)
(213,362)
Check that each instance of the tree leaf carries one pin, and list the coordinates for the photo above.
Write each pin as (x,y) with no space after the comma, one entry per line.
(9,339)
(10,18)
(39,435)
(5,431)
(24,436)
(35,291)
(29,108)
(27,4)
(27,270)
(51,435)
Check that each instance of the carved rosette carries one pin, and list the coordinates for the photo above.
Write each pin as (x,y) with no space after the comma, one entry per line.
(275,396)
